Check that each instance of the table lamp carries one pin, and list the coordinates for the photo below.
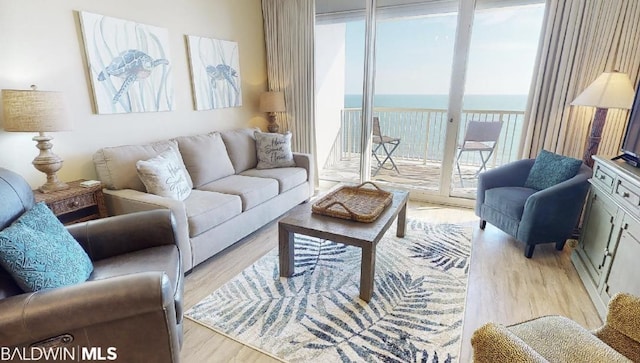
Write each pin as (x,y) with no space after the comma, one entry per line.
(609,90)
(38,111)
(272,102)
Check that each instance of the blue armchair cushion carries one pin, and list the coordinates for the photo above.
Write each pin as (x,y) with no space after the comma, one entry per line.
(550,169)
(508,200)
(39,253)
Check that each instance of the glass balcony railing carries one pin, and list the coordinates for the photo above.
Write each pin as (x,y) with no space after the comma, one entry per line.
(422,132)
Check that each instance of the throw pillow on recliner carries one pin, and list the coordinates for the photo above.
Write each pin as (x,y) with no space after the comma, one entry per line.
(39,252)
(550,169)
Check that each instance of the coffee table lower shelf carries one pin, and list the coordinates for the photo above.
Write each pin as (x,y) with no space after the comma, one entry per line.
(364,235)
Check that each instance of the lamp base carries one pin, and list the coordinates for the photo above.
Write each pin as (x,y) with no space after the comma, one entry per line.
(48,163)
(273,126)
(595,135)
(53,187)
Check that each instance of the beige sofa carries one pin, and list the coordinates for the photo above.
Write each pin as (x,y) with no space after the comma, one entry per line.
(230,197)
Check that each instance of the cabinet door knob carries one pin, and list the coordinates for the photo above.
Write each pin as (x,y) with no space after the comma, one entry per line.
(74,203)
(601,177)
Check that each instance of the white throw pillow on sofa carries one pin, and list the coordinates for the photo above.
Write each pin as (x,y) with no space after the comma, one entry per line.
(165,175)
(116,165)
(274,150)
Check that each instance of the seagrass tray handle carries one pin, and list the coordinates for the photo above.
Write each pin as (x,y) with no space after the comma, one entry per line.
(353,215)
(354,203)
(370,183)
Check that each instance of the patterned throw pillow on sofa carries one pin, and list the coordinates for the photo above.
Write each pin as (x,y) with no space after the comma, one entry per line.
(38,251)
(165,175)
(274,150)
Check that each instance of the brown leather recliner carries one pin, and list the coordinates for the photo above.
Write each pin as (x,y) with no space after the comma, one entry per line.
(129,309)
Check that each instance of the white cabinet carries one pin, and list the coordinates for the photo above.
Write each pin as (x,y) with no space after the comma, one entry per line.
(597,231)
(624,274)
(607,257)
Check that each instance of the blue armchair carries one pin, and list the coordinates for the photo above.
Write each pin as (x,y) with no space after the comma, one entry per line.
(529,215)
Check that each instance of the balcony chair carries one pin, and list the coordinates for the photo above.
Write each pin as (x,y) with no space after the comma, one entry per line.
(558,339)
(481,137)
(132,301)
(532,215)
(381,141)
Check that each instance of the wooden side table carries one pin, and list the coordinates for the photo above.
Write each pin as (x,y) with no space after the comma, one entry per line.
(76,204)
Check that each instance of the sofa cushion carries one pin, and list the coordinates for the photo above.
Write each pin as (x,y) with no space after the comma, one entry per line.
(38,251)
(550,169)
(287,178)
(205,157)
(273,150)
(165,175)
(241,147)
(508,200)
(116,166)
(253,191)
(206,210)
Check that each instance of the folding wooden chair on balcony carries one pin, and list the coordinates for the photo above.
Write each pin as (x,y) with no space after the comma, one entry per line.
(388,145)
(481,137)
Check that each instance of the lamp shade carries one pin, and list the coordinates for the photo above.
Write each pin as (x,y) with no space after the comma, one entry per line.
(34,111)
(609,90)
(272,102)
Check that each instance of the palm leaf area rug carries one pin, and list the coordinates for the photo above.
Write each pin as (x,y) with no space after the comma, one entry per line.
(415,313)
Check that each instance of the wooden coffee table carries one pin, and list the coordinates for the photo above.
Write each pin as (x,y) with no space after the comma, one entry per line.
(364,235)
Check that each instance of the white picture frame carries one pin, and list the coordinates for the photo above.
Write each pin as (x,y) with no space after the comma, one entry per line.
(215,73)
(130,65)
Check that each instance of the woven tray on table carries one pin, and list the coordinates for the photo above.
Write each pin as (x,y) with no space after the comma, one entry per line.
(355,203)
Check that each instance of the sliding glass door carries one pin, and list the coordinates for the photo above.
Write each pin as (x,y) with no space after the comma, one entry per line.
(339,63)
(414,45)
(419,112)
(503,46)
(414,60)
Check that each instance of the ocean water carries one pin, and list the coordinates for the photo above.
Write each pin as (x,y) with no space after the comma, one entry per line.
(470,102)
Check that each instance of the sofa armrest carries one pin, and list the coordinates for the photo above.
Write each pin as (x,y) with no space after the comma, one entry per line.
(126,201)
(554,211)
(624,315)
(513,174)
(32,317)
(306,161)
(113,236)
(495,343)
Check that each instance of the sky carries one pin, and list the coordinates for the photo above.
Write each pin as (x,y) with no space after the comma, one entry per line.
(414,56)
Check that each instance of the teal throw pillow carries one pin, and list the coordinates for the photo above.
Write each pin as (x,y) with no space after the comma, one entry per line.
(550,169)
(38,251)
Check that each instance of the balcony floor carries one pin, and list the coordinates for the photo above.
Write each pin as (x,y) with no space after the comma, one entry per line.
(414,175)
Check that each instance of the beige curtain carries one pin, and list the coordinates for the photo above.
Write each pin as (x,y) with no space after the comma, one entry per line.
(289,38)
(580,40)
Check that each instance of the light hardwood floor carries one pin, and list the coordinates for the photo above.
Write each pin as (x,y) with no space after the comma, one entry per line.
(504,286)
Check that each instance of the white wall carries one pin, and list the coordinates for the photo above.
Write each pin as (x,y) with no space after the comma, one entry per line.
(330,68)
(41,43)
